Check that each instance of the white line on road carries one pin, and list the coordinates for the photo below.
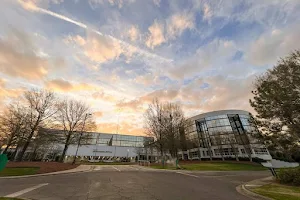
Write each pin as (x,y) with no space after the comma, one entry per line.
(19,193)
(98,168)
(134,168)
(187,174)
(116,168)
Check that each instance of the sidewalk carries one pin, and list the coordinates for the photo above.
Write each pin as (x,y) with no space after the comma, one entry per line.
(80,168)
(245,189)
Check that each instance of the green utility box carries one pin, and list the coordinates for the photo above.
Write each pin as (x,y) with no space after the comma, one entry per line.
(3,161)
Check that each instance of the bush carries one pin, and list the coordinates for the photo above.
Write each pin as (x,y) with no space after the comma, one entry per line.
(289,176)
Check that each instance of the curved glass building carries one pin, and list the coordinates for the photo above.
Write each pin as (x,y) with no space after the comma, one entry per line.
(224,133)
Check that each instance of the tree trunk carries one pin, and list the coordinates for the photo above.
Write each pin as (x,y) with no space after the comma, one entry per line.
(162,157)
(33,153)
(20,157)
(250,158)
(61,159)
(222,154)
(236,157)
(6,148)
(14,156)
(8,144)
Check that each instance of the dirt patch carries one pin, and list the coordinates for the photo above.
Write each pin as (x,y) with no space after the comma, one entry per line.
(45,167)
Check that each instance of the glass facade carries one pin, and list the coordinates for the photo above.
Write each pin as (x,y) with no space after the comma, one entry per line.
(105,139)
(222,132)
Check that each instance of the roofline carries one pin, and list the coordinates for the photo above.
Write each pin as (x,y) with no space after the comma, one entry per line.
(219,112)
(59,130)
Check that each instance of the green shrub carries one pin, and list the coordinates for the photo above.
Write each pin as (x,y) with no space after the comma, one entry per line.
(289,176)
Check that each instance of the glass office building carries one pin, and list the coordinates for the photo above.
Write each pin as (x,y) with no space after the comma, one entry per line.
(105,146)
(227,133)
(106,139)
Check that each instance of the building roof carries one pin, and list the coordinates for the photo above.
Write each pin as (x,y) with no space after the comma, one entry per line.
(219,112)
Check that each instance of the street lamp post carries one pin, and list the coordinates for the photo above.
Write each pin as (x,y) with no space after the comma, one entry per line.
(74,160)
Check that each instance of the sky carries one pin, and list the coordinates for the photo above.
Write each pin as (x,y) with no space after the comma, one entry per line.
(118,55)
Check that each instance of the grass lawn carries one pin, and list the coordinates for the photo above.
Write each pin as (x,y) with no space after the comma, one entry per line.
(7,198)
(223,166)
(18,171)
(217,166)
(279,192)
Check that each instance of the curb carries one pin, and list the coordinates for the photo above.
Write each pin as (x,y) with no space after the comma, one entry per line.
(48,174)
(244,191)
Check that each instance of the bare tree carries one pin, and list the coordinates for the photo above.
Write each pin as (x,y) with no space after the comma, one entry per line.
(73,117)
(40,106)
(220,142)
(164,122)
(13,125)
(173,118)
(154,126)
(43,141)
(231,140)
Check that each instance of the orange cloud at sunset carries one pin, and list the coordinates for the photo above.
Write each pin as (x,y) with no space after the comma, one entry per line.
(62,85)
(124,128)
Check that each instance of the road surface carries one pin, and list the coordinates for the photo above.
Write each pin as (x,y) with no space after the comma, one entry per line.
(130,183)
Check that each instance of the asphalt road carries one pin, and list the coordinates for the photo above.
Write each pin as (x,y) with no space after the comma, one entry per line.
(131,182)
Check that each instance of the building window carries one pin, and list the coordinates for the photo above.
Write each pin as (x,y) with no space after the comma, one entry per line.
(243,151)
(261,151)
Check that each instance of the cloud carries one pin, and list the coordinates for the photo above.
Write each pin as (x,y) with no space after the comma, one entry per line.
(104,96)
(97,48)
(175,25)
(146,79)
(219,94)
(123,128)
(272,45)
(157,2)
(142,53)
(32,4)
(178,23)
(140,103)
(200,95)
(101,49)
(207,12)
(156,35)
(18,57)
(133,33)
(214,53)
(62,85)
(118,3)
(8,93)
(98,114)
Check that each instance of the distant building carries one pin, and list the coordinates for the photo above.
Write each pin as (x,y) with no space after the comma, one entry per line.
(93,146)
(105,146)
(227,132)
(208,135)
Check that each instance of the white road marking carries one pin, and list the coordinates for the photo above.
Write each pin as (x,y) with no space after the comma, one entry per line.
(19,193)
(134,168)
(116,168)
(187,174)
(98,168)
